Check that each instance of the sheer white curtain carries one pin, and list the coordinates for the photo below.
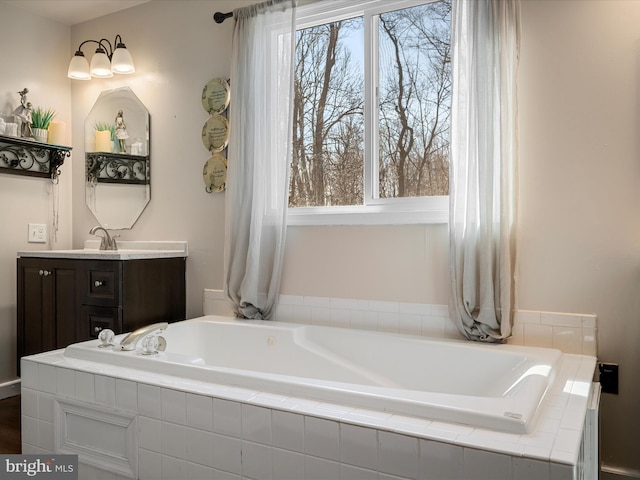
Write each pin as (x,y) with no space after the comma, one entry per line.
(484,176)
(260,119)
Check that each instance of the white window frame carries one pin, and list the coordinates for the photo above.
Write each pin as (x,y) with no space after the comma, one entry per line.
(375,211)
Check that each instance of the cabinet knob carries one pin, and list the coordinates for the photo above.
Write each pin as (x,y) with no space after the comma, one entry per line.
(45,273)
(98,283)
(97,330)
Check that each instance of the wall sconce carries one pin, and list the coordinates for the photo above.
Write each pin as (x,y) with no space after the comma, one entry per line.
(104,63)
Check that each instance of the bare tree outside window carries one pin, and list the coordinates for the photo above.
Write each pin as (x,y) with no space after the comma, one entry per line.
(412,108)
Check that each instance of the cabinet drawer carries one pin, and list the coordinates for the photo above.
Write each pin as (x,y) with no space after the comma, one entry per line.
(95,319)
(103,284)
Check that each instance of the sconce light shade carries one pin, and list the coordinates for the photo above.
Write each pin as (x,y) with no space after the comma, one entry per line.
(100,64)
(121,62)
(79,67)
(105,62)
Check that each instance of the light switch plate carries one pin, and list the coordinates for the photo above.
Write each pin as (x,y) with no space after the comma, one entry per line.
(37,233)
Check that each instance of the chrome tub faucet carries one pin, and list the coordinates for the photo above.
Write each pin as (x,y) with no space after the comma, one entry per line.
(131,341)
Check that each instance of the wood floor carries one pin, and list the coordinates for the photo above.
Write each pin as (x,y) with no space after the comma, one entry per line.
(10,438)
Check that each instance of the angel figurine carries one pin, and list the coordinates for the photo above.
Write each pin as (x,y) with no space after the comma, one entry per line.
(121,132)
(23,114)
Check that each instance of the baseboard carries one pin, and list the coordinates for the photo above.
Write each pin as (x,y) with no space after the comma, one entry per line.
(10,389)
(617,473)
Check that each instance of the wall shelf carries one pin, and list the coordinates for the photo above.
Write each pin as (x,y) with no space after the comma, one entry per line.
(103,167)
(25,156)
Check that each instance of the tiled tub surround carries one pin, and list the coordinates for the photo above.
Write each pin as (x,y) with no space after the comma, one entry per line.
(192,429)
(568,332)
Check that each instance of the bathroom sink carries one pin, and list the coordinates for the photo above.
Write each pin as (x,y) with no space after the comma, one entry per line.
(127,250)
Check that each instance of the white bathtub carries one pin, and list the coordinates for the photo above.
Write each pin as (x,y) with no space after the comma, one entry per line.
(499,387)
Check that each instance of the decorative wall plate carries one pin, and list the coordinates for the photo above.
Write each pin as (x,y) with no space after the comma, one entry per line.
(215,133)
(214,173)
(216,95)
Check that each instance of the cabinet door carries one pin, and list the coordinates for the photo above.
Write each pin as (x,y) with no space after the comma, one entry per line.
(47,304)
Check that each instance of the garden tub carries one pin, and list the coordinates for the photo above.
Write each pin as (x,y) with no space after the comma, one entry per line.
(498,387)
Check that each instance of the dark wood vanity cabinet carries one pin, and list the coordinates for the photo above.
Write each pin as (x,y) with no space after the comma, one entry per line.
(63,301)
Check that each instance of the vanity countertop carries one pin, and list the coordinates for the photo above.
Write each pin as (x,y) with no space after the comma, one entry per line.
(127,250)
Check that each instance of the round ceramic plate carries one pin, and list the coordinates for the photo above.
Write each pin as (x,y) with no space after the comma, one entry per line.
(214,173)
(215,133)
(216,95)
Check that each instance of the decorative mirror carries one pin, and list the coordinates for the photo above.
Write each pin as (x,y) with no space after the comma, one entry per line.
(117,159)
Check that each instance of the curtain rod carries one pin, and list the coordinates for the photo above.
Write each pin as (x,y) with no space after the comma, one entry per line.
(220,17)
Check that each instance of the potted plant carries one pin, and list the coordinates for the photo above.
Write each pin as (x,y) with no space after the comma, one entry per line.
(40,120)
(105,136)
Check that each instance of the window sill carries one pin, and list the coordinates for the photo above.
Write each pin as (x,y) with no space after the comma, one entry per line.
(369,215)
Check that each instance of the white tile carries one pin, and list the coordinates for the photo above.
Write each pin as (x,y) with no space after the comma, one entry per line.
(46,435)
(29,428)
(65,382)
(199,412)
(150,433)
(29,374)
(344,303)
(358,446)
(561,472)
(340,317)
(149,402)
(287,430)
(105,390)
(527,316)
(173,468)
(561,319)
(287,465)
(149,465)
(46,378)
(433,326)
(388,307)
(174,440)
(567,339)
(322,438)
(227,453)
(589,341)
(200,446)
(440,461)
(226,417)
(29,402)
(317,301)
(415,308)
(398,454)
(126,395)
(45,407)
(321,315)
(481,465)
(257,461)
(537,335)
(256,424)
(320,469)
(302,314)
(410,323)
(349,472)
(440,310)
(528,469)
(85,387)
(389,322)
(290,299)
(174,406)
(589,321)
(199,472)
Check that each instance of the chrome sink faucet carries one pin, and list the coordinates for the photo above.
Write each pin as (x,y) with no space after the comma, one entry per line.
(130,341)
(107,242)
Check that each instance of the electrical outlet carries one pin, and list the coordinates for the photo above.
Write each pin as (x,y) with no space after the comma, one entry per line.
(609,378)
(37,233)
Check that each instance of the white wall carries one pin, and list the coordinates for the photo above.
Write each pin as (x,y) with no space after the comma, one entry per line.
(580,169)
(33,55)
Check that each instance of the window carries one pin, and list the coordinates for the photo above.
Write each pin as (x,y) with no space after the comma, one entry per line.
(371,113)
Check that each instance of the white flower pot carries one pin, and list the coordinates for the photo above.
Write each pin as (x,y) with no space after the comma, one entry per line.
(40,134)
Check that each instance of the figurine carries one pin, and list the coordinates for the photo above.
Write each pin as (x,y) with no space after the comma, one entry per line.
(23,114)
(121,133)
